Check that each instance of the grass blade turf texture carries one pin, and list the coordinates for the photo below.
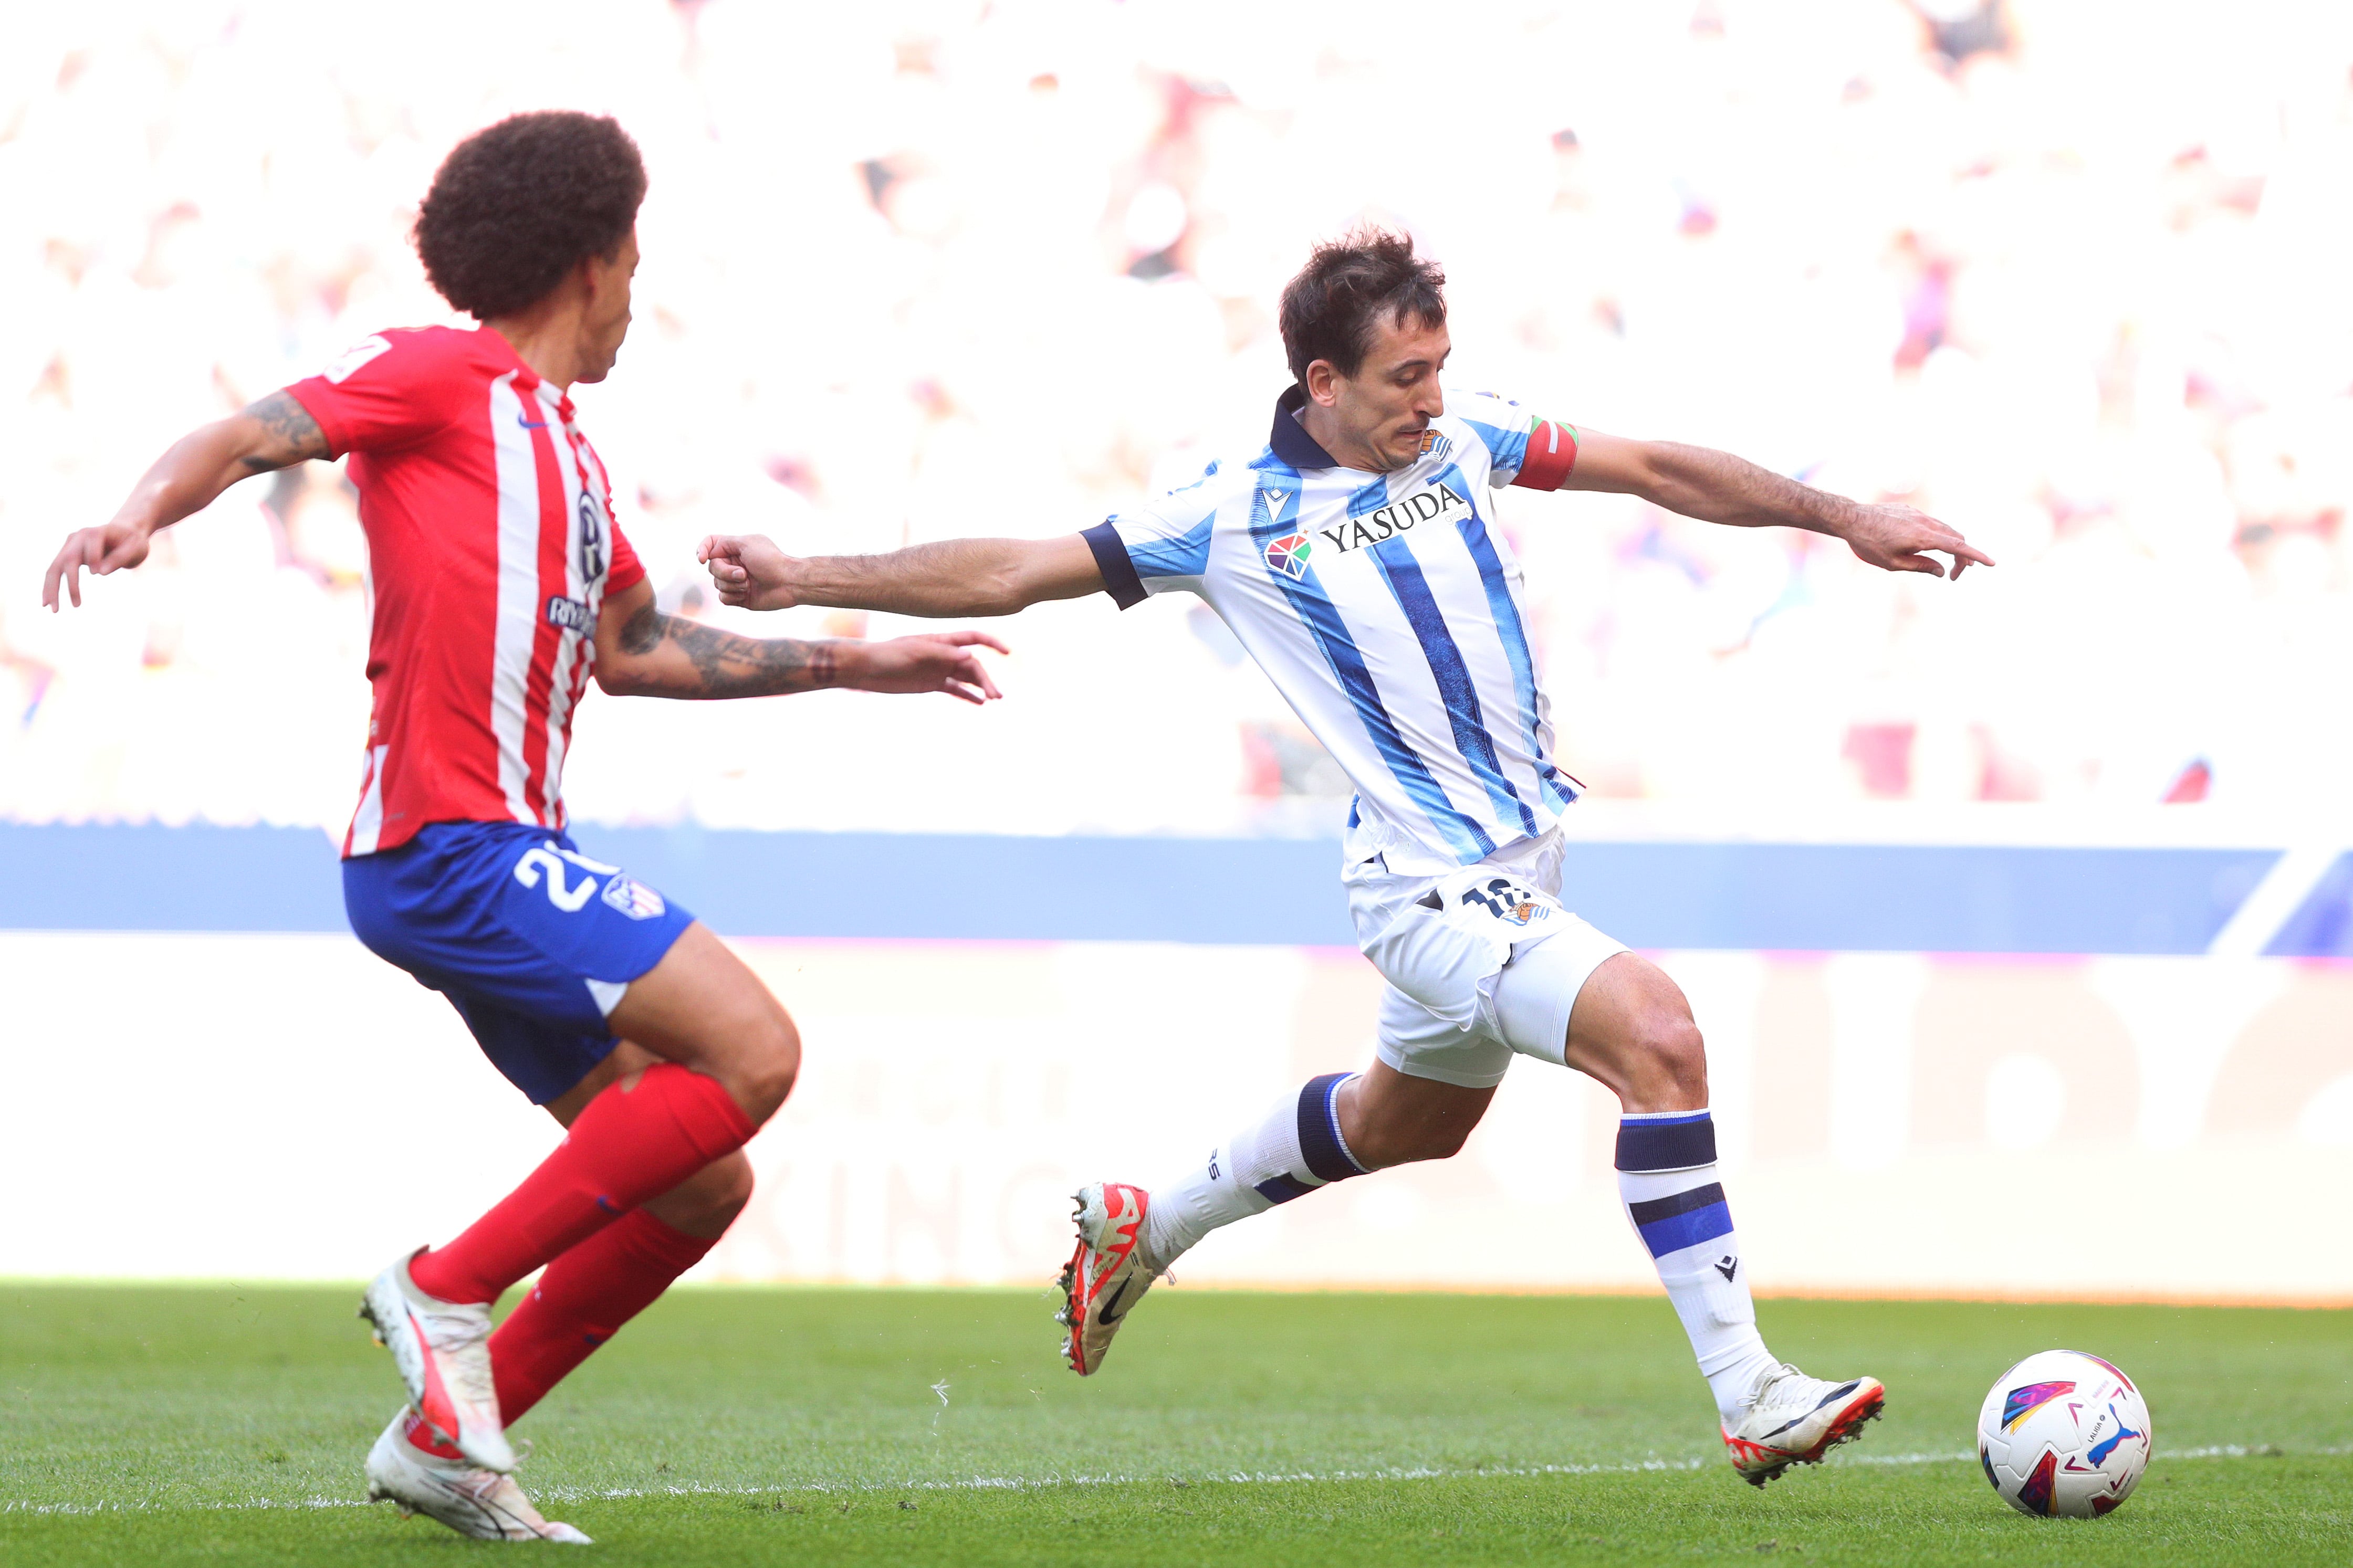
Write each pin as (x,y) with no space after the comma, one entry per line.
(226,1425)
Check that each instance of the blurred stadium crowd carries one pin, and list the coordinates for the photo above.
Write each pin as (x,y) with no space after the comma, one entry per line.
(2068,273)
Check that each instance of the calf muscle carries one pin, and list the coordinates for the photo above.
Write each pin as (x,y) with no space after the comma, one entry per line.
(1389,1118)
(1631,1031)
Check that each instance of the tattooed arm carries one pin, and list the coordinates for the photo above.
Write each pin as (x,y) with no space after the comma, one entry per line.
(641,652)
(952,577)
(274,433)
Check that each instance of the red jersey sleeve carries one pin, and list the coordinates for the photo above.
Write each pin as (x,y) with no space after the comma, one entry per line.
(627,571)
(391,389)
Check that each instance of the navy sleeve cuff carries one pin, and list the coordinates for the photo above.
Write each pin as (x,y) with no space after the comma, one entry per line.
(1120,581)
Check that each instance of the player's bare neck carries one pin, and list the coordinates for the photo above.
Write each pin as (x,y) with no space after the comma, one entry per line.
(1350,450)
(545,337)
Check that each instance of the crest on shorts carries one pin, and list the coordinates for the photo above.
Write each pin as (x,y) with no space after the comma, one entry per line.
(1507,900)
(633,897)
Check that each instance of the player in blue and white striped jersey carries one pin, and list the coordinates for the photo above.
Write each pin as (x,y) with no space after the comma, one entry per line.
(1357,557)
(1385,606)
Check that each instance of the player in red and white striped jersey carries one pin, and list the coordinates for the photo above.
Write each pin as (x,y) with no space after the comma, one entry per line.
(492,547)
(501,585)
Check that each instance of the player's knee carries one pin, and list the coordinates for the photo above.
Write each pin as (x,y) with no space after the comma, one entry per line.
(707,1203)
(770,1060)
(1671,1060)
(726,1188)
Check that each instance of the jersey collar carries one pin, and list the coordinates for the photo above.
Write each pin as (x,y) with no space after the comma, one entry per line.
(1291,441)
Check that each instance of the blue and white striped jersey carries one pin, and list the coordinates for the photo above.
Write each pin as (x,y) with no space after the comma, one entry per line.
(1386,609)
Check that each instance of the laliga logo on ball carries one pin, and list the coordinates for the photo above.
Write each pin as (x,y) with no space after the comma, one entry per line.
(2063,1434)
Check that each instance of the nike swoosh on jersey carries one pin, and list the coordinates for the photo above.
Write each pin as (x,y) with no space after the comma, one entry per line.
(528,424)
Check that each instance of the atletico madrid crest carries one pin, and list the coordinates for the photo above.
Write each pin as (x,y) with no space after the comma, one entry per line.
(633,897)
(1289,555)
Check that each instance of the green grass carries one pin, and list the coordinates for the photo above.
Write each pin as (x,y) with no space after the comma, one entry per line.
(226,1425)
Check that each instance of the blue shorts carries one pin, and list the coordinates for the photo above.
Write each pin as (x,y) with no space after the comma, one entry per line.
(532,941)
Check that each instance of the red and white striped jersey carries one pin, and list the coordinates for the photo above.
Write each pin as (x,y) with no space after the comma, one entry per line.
(492,545)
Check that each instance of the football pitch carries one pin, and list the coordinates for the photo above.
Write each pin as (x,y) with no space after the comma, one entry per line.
(226,1425)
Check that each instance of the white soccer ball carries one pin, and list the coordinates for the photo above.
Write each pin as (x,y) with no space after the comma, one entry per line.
(2063,1434)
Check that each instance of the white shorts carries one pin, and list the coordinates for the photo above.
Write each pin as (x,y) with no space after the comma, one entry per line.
(1481,962)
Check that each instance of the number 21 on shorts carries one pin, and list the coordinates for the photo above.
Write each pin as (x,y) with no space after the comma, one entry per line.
(547,861)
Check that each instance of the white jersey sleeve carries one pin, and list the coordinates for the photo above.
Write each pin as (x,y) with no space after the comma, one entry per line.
(1523,447)
(1160,546)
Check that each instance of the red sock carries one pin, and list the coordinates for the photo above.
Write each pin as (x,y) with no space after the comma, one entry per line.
(628,1146)
(582,1300)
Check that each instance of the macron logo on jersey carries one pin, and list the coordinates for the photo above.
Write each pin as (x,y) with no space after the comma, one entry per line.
(1289,553)
(1385,523)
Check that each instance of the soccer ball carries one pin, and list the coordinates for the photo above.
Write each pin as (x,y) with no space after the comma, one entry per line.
(2064,1433)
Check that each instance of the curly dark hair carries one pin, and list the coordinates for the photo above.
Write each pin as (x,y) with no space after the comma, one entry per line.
(1331,308)
(518,204)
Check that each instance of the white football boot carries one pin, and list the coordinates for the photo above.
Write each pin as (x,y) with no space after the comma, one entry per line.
(1793,1419)
(1107,1276)
(443,1352)
(470,1499)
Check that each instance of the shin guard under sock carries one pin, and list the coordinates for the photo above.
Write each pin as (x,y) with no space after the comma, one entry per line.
(1666,1175)
(582,1300)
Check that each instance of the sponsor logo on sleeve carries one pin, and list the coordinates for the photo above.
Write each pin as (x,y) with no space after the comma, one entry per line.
(358,354)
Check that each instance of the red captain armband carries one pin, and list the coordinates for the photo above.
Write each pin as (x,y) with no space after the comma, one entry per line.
(1552,453)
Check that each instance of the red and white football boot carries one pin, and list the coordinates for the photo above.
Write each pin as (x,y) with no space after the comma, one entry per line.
(443,1485)
(443,1352)
(1107,1276)
(1793,1419)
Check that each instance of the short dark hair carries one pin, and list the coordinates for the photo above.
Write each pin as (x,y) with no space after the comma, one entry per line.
(518,204)
(1331,310)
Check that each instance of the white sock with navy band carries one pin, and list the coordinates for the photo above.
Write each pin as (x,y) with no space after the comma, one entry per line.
(1666,1175)
(1294,1150)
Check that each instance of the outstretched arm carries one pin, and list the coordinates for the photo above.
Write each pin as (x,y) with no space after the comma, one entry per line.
(274,433)
(641,652)
(1716,487)
(954,577)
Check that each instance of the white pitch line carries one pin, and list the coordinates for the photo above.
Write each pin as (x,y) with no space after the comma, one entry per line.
(1038,1483)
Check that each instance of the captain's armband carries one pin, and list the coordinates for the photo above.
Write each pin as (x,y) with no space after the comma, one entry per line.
(1551,455)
